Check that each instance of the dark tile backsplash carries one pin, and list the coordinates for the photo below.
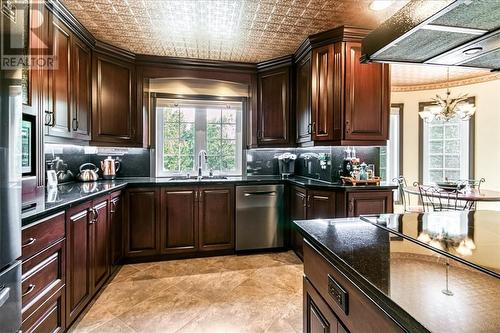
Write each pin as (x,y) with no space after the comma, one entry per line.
(309,161)
(135,162)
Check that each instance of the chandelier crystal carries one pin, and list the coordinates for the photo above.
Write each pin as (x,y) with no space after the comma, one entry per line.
(445,109)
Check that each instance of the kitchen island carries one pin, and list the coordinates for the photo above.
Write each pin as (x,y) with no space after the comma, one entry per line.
(432,272)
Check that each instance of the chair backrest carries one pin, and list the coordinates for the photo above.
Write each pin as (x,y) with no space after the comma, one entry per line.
(435,199)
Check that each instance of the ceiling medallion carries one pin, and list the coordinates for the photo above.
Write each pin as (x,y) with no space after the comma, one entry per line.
(445,109)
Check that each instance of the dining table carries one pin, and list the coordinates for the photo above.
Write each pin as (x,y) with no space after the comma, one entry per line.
(471,195)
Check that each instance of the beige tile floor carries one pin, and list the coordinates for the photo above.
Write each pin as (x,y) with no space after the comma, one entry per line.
(233,294)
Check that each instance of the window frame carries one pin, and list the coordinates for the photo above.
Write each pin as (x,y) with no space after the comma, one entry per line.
(157,154)
(421,106)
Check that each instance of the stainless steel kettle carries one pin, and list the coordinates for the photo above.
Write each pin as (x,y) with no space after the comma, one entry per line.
(88,173)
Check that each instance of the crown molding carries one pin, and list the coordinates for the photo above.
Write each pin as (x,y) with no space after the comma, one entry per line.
(443,85)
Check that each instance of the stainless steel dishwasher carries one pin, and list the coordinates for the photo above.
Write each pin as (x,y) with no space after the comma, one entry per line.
(259,217)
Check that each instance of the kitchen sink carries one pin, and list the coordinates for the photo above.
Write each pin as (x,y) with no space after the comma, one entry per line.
(196,178)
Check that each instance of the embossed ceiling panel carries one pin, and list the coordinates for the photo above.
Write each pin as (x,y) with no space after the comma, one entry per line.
(240,30)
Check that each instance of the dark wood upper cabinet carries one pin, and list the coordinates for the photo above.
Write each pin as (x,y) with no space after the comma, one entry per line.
(320,204)
(322,93)
(303,100)
(179,226)
(141,232)
(350,100)
(78,260)
(366,97)
(273,111)
(100,242)
(216,218)
(58,94)
(82,83)
(369,202)
(114,113)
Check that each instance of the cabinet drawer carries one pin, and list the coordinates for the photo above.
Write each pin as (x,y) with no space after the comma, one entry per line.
(42,275)
(49,317)
(41,234)
(352,307)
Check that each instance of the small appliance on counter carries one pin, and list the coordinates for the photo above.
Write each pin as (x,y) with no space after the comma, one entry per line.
(286,163)
(63,174)
(88,173)
(109,168)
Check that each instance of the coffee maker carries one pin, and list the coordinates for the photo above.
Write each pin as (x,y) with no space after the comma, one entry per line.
(286,162)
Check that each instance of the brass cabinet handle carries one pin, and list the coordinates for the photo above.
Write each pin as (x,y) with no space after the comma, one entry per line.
(30,241)
(348,126)
(314,129)
(31,287)
(351,206)
(200,195)
(113,207)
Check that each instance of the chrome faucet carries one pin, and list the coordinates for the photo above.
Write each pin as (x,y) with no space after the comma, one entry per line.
(202,156)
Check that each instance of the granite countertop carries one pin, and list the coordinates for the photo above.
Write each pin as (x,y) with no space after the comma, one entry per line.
(50,201)
(406,279)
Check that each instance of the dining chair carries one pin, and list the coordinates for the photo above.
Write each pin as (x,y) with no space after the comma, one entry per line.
(404,197)
(435,199)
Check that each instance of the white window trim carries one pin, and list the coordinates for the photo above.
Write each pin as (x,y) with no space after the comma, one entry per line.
(464,151)
(159,172)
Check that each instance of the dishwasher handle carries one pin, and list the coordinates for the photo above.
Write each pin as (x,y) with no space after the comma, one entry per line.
(270,193)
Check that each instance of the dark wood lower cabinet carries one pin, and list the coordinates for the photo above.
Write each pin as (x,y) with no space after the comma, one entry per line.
(99,243)
(115,228)
(318,317)
(320,204)
(298,211)
(369,202)
(78,260)
(179,226)
(216,218)
(141,232)
(49,317)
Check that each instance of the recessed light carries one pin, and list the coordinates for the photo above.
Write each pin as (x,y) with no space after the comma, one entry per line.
(472,51)
(380,4)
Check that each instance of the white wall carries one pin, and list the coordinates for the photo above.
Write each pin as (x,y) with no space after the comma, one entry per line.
(487,131)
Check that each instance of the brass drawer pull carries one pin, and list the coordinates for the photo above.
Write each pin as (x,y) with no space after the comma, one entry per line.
(30,241)
(31,287)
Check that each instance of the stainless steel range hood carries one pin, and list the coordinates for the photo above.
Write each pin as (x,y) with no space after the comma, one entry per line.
(452,33)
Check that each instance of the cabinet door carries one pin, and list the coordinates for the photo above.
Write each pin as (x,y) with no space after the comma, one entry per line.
(82,83)
(58,110)
(318,317)
(100,241)
(115,225)
(303,100)
(49,317)
(216,218)
(369,202)
(320,204)
(78,285)
(366,98)
(298,207)
(322,93)
(141,231)
(179,226)
(114,115)
(274,108)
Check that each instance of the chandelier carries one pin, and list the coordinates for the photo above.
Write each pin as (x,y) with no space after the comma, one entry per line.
(445,109)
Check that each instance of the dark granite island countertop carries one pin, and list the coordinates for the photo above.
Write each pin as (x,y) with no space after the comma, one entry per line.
(49,201)
(406,279)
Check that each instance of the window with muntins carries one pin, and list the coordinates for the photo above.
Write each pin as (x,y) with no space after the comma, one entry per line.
(186,127)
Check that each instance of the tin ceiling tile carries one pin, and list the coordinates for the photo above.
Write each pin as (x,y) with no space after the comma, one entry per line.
(237,30)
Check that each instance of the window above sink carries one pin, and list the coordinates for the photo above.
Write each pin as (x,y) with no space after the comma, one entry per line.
(184,127)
